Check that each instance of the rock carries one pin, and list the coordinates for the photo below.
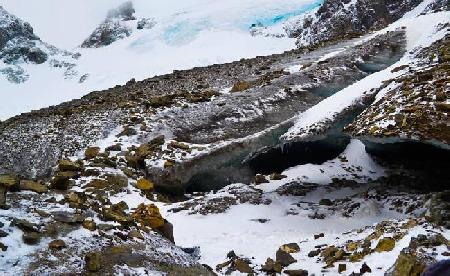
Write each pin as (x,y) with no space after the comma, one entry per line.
(67,165)
(342,268)
(91,152)
(352,246)
(285,259)
(127,131)
(167,231)
(179,145)
(314,253)
(116,147)
(441,96)
(242,266)
(105,227)
(169,163)
(135,234)
(318,236)
(57,244)
(9,181)
(3,233)
(67,217)
(24,225)
(145,185)
(408,263)
(296,272)
(31,238)
(385,244)
(145,23)
(3,204)
(332,254)
(290,248)
(89,224)
(240,86)
(60,182)
(365,268)
(148,215)
(3,247)
(271,266)
(326,202)
(93,261)
(117,213)
(277,176)
(32,186)
(260,179)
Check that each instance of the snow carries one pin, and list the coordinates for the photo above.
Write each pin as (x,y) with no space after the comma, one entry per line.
(187,34)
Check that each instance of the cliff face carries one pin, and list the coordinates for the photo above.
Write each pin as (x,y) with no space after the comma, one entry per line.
(337,20)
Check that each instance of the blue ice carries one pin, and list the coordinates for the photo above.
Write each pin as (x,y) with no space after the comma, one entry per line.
(280,18)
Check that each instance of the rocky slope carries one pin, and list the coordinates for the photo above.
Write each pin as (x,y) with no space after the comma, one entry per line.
(415,105)
(337,20)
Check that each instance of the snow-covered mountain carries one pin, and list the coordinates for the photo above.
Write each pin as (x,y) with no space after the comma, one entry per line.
(158,37)
(330,158)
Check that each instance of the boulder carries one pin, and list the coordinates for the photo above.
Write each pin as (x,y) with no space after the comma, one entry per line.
(260,179)
(148,215)
(9,181)
(385,244)
(57,244)
(270,266)
(60,182)
(296,272)
(67,165)
(290,248)
(89,224)
(91,152)
(93,261)
(31,238)
(284,258)
(145,185)
(242,266)
(29,185)
(240,86)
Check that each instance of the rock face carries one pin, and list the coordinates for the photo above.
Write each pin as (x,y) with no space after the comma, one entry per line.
(114,27)
(19,44)
(337,19)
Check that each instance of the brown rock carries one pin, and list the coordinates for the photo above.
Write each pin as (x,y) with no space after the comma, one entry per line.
(57,244)
(91,152)
(285,259)
(148,215)
(240,86)
(271,266)
(260,179)
(31,238)
(242,266)
(89,224)
(93,261)
(342,268)
(277,176)
(32,186)
(296,272)
(67,165)
(385,244)
(290,248)
(145,185)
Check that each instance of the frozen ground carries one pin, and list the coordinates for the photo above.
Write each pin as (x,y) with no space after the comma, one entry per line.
(188,34)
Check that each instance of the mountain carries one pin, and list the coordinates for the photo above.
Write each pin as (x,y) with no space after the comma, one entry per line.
(329,158)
